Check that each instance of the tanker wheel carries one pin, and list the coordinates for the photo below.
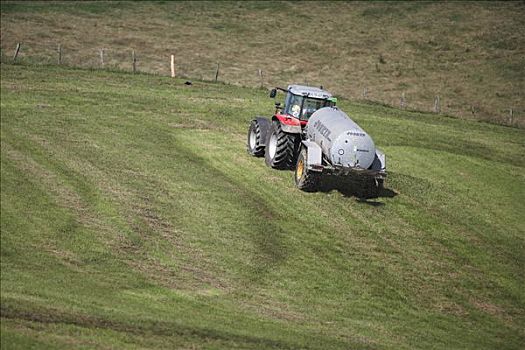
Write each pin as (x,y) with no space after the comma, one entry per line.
(280,148)
(305,180)
(253,143)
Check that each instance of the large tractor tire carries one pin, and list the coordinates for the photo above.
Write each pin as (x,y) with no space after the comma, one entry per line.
(280,147)
(253,144)
(305,180)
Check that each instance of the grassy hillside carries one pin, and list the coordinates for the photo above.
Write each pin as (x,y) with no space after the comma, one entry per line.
(131,216)
(471,54)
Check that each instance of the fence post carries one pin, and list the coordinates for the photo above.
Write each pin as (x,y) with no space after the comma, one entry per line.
(261,77)
(365,93)
(173,66)
(102,57)
(402,102)
(511,116)
(437,106)
(17,50)
(134,61)
(59,50)
(217,72)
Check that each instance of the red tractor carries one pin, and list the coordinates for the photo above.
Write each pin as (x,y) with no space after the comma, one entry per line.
(279,139)
(314,137)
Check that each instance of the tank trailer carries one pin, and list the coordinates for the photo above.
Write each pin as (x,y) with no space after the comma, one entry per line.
(314,137)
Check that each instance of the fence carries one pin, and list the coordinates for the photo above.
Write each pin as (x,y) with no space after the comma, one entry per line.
(167,63)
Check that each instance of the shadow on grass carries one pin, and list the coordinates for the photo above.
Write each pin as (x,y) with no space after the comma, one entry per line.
(364,189)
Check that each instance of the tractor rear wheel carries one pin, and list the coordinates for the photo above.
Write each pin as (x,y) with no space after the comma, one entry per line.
(305,180)
(280,148)
(253,143)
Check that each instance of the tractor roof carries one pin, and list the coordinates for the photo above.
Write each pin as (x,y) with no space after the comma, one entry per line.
(309,90)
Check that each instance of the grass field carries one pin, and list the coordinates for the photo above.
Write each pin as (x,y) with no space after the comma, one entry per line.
(132,217)
(471,54)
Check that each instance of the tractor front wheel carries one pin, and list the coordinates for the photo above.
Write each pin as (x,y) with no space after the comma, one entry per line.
(253,143)
(280,147)
(305,180)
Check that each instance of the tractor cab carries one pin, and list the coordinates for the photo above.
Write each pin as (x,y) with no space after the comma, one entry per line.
(302,101)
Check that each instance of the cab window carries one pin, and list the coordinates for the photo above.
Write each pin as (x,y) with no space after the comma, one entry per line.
(313,104)
(294,103)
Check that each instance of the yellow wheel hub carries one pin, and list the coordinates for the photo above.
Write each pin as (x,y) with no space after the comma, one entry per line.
(300,169)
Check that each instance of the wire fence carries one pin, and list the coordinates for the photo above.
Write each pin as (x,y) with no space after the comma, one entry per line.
(228,72)
(106,58)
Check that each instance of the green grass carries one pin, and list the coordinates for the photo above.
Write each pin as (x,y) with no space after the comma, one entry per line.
(468,53)
(132,217)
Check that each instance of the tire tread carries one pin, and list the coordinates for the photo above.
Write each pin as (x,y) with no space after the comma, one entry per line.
(285,152)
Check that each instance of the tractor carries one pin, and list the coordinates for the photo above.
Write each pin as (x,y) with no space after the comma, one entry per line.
(314,137)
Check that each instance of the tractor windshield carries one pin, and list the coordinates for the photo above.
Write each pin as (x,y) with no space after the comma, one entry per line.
(313,104)
(303,107)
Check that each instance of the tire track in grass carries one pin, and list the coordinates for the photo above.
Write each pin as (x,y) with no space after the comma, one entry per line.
(64,196)
(48,316)
(136,226)
(140,206)
(129,213)
(267,238)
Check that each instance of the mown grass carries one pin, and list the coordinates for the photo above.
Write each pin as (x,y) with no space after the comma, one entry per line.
(468,53)
(131,216)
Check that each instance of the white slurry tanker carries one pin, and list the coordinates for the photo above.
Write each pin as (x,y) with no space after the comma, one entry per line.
(316,138)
